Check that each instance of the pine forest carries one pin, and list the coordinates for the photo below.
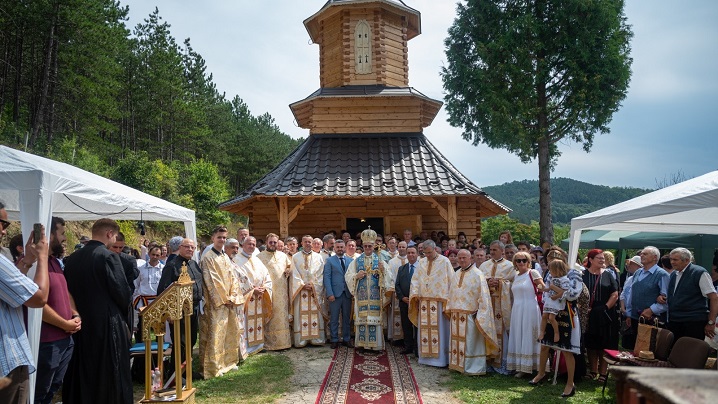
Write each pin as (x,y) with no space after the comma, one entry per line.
(129,103)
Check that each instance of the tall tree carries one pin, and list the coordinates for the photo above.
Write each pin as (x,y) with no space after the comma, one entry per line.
(524,75)
(159,105)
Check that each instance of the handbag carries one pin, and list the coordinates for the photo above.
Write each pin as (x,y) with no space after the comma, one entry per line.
(646,336)
(538,293)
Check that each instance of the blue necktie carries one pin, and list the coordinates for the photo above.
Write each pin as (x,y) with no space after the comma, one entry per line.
(411,270)
(344,269)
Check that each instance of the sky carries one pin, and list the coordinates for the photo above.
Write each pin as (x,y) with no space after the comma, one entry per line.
(260,50)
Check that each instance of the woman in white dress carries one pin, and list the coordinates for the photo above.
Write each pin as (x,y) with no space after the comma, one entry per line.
(524,349)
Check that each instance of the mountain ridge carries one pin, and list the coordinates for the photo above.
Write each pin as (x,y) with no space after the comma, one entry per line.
(569,198)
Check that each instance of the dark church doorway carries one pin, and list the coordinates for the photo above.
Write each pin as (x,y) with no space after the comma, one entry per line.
(358,225)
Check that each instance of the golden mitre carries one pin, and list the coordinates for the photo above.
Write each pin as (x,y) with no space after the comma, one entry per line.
(368,236)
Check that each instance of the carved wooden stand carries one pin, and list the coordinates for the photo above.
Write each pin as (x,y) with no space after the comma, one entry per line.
(173,304)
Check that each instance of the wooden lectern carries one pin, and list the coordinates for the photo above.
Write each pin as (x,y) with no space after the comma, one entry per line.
(173,304)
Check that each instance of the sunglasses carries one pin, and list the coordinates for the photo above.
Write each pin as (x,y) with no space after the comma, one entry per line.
(521,260)
(4,224)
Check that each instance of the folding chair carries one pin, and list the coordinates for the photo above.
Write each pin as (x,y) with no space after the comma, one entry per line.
(664,342)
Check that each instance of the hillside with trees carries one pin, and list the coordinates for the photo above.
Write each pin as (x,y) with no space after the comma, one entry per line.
(529,77)
(569,198)
(131,104)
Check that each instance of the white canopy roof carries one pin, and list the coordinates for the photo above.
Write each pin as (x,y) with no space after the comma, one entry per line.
(34,189)
(688,207)
(77,194)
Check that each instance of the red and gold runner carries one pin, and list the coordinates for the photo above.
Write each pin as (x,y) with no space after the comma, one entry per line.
(369,377)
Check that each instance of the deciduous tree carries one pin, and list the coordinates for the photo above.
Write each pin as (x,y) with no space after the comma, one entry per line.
(525,75)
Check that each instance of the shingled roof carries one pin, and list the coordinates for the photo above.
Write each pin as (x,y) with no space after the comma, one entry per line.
(364,165)
(413,16)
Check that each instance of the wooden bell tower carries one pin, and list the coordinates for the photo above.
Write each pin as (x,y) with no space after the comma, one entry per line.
(366,159)
(364,70)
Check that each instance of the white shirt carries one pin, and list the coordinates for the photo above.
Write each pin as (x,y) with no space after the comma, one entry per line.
(148,279)
(705,283)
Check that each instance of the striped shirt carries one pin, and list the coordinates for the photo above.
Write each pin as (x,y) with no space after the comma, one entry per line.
(15,289)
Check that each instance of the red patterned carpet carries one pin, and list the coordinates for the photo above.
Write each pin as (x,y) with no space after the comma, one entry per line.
(369,377)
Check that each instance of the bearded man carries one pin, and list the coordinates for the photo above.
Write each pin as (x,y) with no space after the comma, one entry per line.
(277,334)
(427,302)
(499,274)
(365,280)
(473,334)
(307,286)
(256,286)
(393,313)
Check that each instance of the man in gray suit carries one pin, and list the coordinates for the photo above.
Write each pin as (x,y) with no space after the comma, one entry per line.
(402,288)
(338,295)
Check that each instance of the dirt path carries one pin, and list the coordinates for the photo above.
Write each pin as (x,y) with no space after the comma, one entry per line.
(311,364)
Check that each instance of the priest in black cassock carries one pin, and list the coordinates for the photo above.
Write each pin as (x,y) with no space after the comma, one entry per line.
(99,371)
(170,274)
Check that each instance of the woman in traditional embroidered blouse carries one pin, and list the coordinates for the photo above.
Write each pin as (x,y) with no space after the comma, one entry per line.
(602,330)
(569,326)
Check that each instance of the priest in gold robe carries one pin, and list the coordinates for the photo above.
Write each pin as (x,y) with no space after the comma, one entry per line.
(219,326)
(307,286)
(231,248)
(499,274)
(393,313)
(365,279)
(427,303)
(278,332)
(473,333)
(257,295)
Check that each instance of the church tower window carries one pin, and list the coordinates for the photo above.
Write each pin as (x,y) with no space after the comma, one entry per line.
(362,48)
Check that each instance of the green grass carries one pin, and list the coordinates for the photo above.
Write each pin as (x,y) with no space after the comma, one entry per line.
(496,388)
(262,378)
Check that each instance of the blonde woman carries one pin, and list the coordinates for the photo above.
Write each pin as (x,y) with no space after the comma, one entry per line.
(611,264)
(523,347)
(569,325)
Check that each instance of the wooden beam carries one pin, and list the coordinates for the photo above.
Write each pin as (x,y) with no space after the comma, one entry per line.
(452,217)
(435,204)
(283,213)
(295,211)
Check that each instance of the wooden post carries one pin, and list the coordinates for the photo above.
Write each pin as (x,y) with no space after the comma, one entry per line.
(283,213)
(178,357)
(452,217)
(188,350)
(148,368)
(160,358)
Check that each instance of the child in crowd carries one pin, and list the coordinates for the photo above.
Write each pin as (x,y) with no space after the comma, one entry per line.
(558,285)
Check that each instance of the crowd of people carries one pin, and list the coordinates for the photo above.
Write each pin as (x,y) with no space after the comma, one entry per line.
(474,308)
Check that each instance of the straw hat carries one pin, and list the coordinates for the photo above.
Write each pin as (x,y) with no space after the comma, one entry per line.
(646,356)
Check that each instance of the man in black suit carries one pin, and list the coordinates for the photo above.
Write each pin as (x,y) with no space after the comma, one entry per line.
(402,287)
(99,371)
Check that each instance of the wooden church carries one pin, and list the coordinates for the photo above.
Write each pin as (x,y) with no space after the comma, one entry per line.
(366,160)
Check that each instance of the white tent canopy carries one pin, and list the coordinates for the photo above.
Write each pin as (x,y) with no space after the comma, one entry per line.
(688,207)
(79,195)
(34,189)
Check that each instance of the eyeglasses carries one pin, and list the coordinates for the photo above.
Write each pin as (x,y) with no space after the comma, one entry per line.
(4,224)
(191,247)
(521,260)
